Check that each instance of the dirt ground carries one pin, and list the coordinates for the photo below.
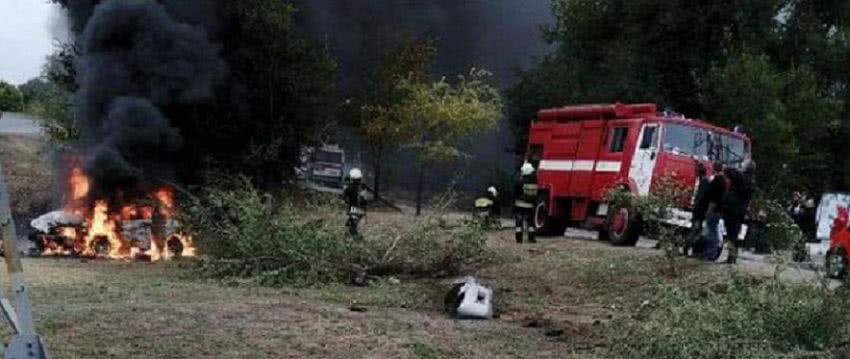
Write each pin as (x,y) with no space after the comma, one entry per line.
(553,300)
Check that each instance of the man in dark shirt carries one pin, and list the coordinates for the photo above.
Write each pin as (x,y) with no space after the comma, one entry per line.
(698,215)
(742,187)
(711,205)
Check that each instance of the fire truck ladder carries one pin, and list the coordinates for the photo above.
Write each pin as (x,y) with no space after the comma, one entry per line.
(25,343)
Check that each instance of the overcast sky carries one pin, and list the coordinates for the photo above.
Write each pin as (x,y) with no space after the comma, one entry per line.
(27,30)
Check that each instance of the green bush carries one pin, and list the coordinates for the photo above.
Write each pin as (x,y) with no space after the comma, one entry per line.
(11,99)
(739,320)
(242,233)
(783,234)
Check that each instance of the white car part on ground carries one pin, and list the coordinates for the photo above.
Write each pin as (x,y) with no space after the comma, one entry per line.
(476,300)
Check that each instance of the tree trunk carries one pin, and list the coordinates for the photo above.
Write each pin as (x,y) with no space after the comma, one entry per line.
(419,185)
(379,157)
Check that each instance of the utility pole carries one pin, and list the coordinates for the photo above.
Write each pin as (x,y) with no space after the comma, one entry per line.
(25,343)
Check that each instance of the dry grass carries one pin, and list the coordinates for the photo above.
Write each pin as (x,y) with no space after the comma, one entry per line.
(28,175)
(104,309)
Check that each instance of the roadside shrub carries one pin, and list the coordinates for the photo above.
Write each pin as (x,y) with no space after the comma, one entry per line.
(653,209)
(783,234)
(242,233)
(740,320)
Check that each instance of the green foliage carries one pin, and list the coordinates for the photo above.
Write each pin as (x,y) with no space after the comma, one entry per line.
(435,116)
(243,233)
(48,101)
(376,116)
(789,117)
(290,84)
(784,235)
(653,210)
(11,99)
(738,320)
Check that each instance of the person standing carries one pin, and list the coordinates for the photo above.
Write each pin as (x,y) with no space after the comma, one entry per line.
(742,186)
(711,204)
(699,209)
(525,192)
(355,200)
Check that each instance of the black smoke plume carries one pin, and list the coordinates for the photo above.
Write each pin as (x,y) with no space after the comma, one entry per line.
(499,35)
(135,59)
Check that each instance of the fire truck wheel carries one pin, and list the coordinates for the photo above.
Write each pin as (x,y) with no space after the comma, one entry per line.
(836,263)
(623,227)
(545,224)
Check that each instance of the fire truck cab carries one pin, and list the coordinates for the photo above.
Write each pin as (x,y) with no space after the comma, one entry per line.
(583,151)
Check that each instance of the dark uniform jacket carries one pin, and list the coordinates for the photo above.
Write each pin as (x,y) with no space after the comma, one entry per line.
(525,191)
(353,195)
(742,186)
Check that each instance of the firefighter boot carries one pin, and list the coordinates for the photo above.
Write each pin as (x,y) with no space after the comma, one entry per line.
(531,234)
(519,221)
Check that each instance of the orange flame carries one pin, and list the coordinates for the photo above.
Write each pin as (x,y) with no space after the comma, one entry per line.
(104,229)
(101,227)
(78,188)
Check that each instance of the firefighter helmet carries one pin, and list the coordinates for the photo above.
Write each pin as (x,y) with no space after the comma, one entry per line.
(526,169)
(355,174)
(493,191)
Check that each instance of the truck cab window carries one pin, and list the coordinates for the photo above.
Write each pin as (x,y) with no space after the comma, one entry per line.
(680,139)
(650,137)
(618,139)
(732,150)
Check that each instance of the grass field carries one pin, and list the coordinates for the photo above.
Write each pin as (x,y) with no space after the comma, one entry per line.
(105,309)
(553,299)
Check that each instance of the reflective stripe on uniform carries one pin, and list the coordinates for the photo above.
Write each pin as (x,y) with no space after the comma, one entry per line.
(523,204)
(483,202)
(519,229)
(530,190)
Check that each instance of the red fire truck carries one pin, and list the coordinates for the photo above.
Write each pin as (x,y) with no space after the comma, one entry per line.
(583,151)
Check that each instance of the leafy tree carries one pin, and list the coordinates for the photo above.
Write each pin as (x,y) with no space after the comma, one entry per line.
(789,117)
(10,97)
(280,91)
(434,116)
(377,121)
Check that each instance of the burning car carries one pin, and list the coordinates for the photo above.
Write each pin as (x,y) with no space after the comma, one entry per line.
(143,228)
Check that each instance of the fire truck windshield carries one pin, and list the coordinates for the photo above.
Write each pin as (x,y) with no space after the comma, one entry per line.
(680,139)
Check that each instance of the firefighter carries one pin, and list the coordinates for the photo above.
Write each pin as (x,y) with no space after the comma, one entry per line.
(740,192)
(487,206)
(354,198)
(525,192)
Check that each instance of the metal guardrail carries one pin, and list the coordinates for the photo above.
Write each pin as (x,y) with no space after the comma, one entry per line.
(25,343)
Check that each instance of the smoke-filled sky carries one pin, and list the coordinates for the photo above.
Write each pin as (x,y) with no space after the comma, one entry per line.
(498,35)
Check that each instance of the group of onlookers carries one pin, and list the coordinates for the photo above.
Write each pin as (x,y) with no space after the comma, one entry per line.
(726,196)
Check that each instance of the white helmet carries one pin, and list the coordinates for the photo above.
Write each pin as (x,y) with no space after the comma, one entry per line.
(493,191)
(526,169)
(355,174)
